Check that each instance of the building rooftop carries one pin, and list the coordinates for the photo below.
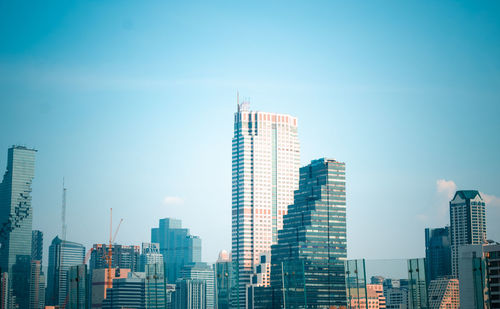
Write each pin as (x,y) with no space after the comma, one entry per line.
(467,194)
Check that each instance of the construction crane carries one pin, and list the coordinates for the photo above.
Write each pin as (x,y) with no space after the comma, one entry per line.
(109,256)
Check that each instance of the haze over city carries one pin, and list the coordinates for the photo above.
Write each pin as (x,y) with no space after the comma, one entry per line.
(133,105)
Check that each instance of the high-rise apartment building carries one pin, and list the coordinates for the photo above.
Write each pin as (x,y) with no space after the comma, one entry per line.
(438,253)
(266,161)
(36,245)
(467,223)
(16,220)
(62,255)
(312,246)
(177,246)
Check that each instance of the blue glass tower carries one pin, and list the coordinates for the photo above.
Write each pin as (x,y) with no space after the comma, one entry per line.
(62,255)
(438,253)
(177,246)
(307,263)
(15,220)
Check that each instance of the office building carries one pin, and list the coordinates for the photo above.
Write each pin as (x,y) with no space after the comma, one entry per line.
(223,280)
(16,221)
(36,245)
(444,294)
(155,285)
(150,255)
(177,246)
(62,255)
(190,294)
(127,292)
(78,287)
(396,292)
(102,281)
(265,173)
(438,253)
(467,223)
(204,272)
(479,273)
(308,260)
(37,286)
(122,257)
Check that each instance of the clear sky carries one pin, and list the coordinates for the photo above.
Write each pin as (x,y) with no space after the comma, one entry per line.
(133,102)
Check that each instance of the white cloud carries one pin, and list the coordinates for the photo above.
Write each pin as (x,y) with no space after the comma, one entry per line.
(446,187)
(491,200)
(172,200)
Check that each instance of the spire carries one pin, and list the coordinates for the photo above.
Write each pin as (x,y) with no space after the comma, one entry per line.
(238,100)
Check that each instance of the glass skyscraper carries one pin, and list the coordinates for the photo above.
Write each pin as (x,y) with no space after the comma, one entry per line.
(62,255)
(16,220)
(204,272)
(467,223)
(177,246)
(266,161)
(437,253)
(307,263)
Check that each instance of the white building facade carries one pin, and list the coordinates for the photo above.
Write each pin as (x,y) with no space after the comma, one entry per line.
(467,223)
(266,161)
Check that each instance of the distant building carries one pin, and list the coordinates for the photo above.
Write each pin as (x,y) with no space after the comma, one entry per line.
(16,221)
(190,294)
(36,245)
(78,287)
(223,280)
(177,246)
(373,299)
(62,255)
(444,294)
(396,292)
(308,260)
(127,292)
(479,283)
(150,255)
(155,286)
(266,161)
(126,257)
(438,253)
(467,223)
(204,272)
(37,286)
(102,281)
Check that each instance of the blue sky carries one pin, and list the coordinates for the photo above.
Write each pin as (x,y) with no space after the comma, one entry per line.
(133,102)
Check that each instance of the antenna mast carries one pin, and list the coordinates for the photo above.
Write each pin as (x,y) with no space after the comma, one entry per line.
(63,216)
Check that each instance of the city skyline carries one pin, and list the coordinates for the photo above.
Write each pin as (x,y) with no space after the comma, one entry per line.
(152,138)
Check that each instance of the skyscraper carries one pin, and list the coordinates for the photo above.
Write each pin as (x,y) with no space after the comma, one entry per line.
(266,161)
(467,223)
(177,246)
(123,256)
(16,219)
(437,253)
(205,273)
(127,292)
(150,255)
(308,260)
(62,255)
(190,294)
(36,245)
(37,286)
(223,280)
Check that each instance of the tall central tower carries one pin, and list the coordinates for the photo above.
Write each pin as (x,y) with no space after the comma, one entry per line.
(266,161)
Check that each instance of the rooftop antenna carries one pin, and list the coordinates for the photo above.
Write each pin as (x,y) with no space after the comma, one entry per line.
(238,99)
(63,216)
